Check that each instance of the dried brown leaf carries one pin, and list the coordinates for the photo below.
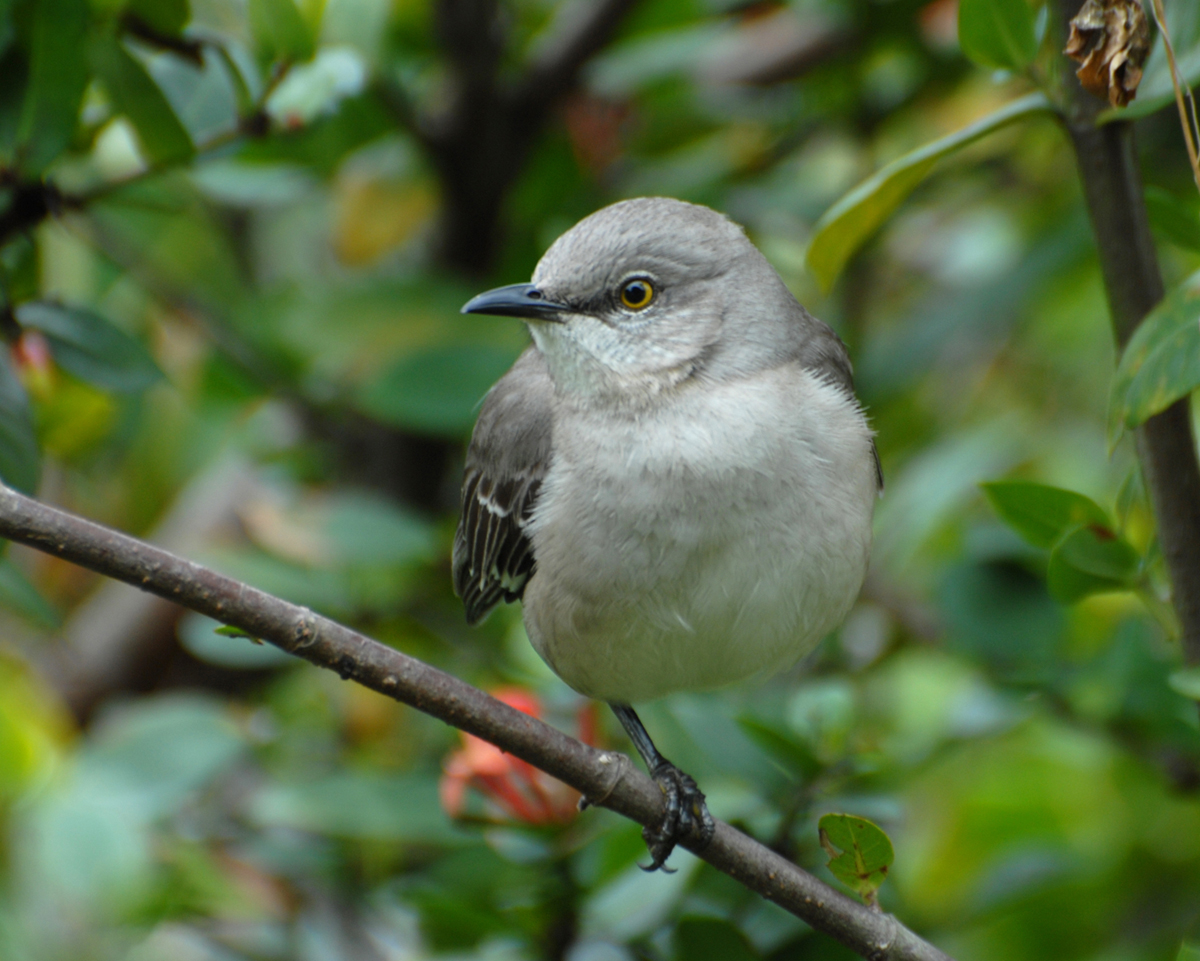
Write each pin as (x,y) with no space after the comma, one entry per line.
(1110,39)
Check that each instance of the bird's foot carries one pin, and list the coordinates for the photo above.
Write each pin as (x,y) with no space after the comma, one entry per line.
(686,815)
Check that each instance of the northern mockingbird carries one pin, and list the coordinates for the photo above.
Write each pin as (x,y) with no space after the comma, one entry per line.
(675,478)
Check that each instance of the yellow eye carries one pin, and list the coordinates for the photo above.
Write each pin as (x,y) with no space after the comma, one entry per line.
(637,294)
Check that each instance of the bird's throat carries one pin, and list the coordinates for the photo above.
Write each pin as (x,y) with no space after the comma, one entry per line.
(609,372)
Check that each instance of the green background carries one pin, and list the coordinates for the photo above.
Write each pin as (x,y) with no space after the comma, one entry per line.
(237,334)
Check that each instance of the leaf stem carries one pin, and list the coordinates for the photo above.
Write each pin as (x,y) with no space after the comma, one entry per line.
(1187,118)
(1159,608)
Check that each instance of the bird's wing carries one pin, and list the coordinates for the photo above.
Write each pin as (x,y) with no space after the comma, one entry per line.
(506,462)
(823,352)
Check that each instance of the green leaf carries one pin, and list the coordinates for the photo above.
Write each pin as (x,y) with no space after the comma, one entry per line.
(1041,514)
(214,643)
(997,33)
(1173,218)
(1161,362)
(20,269)
(860,852)
(18,595)
(1188,951)
(134,93)
(20,458)
(91,348)
(8,31)
(1131,495)
(1090,559)
(1187,682)
(58,75)
(243,98)
(166,16)
(12,99)
(711,939)
(627,66)
(793,757)
(363,806)
(162,225)
(280,31)
(166,749)
(364,529)
(437,390)
(848,224)
(226,630)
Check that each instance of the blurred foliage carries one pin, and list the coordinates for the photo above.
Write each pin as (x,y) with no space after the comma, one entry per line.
(225,299)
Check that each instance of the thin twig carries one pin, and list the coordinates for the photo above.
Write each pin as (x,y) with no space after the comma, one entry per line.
(602,775)
(403,109)
(1187,119)
(252,126)
(22,216)
(80,200)
(185,47)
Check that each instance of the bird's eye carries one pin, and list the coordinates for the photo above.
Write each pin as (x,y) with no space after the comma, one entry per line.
(637,294)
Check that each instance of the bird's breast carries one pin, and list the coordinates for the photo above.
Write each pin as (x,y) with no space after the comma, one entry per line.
(718,536)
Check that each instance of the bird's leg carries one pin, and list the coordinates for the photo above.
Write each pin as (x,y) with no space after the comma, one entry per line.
(686,811)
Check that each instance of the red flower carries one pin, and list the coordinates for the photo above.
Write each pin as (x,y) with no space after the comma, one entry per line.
(33,363)
(513,790)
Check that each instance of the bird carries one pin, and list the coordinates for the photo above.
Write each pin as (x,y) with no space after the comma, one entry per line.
(675,478)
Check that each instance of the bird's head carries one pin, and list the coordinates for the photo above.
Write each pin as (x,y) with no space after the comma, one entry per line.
(646,293)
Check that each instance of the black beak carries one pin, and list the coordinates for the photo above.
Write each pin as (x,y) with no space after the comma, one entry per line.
(516,300)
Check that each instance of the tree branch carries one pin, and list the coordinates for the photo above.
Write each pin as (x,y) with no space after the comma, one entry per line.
(601,775)
(1133,283)
(29,203)
(190,50)
(478,143)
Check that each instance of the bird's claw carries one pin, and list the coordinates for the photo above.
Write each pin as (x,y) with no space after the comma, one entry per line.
(686,815)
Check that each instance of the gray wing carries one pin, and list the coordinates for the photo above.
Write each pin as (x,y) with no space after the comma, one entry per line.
(823,352)
(506,462)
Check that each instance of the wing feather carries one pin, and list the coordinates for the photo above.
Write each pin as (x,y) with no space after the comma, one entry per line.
(506,463)
(822,352)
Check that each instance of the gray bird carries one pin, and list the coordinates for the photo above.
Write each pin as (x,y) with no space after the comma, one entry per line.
(675,478)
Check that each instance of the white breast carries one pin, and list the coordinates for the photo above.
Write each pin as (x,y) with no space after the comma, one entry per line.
(719,537)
